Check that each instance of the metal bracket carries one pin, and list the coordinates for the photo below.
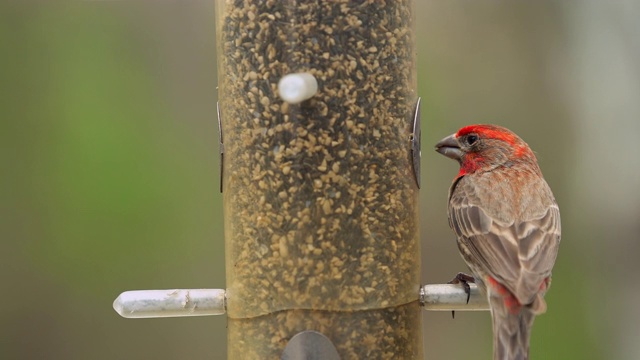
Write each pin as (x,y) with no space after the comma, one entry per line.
(220,144)
(416,153)
(310,345)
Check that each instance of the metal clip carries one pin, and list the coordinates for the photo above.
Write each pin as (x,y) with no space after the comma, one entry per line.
(310,345)
(221,145)
(416,153)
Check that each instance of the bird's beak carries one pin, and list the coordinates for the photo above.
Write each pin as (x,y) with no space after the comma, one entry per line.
(449,147)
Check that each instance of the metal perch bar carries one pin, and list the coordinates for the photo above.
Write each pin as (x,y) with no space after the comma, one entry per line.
(170,303)
(202,302)
(449,297)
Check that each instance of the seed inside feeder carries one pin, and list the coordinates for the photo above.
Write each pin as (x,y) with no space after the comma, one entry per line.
(285,164)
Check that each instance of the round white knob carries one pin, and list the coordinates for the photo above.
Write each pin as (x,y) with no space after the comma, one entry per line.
(298,87)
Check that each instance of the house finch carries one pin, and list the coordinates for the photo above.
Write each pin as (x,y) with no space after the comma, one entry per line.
(507,225)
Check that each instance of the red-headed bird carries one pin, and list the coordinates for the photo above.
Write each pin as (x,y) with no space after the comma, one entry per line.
(507,224)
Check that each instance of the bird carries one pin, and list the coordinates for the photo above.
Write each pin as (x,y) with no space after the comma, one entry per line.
(507,225)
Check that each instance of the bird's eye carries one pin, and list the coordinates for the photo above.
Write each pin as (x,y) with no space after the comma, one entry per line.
(472,139)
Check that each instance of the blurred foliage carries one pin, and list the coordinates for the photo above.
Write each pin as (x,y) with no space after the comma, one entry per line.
(111,187)
(110,174)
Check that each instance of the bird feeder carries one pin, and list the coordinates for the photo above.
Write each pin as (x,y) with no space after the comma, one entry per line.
(320,151)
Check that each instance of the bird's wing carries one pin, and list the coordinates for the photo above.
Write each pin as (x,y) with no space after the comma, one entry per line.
(519,253)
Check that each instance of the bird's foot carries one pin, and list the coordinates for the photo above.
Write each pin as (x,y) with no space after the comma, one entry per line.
(464,279)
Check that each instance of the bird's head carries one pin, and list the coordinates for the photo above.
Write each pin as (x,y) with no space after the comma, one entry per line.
(480,148)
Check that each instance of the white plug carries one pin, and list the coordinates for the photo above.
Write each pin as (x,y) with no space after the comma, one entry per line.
(298,87)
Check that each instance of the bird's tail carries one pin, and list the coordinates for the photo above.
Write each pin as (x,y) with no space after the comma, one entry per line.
(511,329)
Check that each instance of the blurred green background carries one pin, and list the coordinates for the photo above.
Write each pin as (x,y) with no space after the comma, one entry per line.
(110,175)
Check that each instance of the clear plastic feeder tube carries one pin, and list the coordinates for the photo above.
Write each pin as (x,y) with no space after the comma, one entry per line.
(320,198)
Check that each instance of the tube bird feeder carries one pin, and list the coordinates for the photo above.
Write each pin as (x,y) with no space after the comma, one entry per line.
(320,197)
(320,133)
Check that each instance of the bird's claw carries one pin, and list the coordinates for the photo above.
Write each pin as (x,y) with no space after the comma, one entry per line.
(464,279)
